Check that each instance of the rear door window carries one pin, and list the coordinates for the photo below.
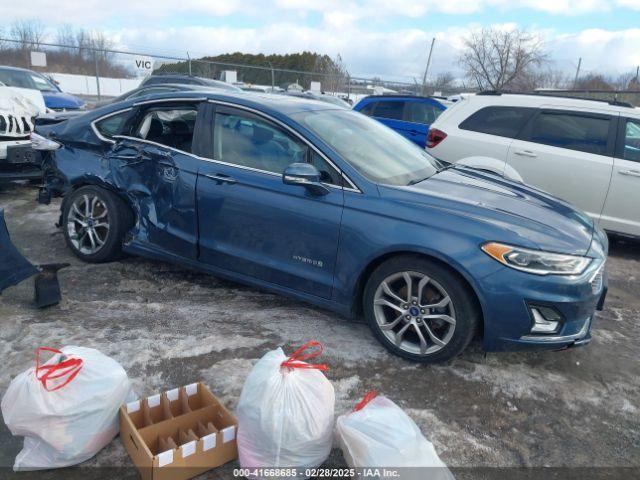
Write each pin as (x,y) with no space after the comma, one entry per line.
(631,145)
(392,110)
(500,121)
(113,125)
(172,127)
(368,109)
(421,112)
(572,131)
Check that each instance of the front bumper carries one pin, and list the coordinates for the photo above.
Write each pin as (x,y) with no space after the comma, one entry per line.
(18,161)
(509,295)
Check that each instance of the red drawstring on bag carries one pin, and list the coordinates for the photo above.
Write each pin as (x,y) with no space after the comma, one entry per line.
(367,398)
(296,359)
(69,367)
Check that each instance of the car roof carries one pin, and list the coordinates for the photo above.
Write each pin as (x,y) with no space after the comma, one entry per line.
(400,95)
(542,100)
(371,98)
(282,104)
(17,69)
(184,86)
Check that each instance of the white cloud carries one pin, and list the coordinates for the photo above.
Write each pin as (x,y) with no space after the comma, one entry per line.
(399,55)
(96,12)
(344,28)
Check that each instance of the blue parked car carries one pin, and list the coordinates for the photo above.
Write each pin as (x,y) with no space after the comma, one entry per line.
(331,207)
(54,98)
(408,115)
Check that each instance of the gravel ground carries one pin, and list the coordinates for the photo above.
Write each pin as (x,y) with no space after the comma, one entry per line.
(168,326)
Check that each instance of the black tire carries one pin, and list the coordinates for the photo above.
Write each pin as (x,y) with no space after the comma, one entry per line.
(467,314)
(120,220)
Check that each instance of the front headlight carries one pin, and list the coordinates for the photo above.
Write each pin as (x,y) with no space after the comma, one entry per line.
(536,261)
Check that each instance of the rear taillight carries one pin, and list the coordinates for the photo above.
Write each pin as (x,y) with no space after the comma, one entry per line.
(435,137)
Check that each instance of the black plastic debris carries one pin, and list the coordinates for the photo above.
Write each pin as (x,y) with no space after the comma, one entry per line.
(47,288)
(14,268)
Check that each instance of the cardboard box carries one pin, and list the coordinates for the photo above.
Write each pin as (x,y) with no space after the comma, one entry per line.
(149,426)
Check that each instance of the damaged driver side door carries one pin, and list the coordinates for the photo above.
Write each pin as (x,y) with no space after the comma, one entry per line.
(154,165)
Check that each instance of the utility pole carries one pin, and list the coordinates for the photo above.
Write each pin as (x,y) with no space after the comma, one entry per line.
(189,59)
(273,78)
(575,80)
(426,70)
(95,58)
(637,72)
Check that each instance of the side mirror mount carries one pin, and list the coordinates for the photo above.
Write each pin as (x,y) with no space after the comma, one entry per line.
(304,175)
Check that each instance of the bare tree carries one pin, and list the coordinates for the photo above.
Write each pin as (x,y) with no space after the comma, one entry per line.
(594,81)
(494,59)
(443,81)
(31,33)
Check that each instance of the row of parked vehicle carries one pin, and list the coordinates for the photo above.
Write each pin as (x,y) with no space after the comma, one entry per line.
(586,152)
(325,204)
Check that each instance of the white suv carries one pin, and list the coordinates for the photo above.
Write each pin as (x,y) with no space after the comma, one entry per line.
(586,152)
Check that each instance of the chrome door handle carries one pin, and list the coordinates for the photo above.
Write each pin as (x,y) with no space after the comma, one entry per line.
(631,173)
(525,153)
(221,178)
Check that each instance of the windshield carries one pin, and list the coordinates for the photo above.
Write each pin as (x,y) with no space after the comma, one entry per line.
(376,151)
(43,84)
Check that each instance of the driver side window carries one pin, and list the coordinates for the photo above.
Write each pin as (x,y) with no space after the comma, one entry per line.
(249,141)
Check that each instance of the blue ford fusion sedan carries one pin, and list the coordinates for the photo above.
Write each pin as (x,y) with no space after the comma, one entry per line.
(331,207)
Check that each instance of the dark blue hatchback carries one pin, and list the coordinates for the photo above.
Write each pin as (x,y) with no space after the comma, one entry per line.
(331,207)
(410,116)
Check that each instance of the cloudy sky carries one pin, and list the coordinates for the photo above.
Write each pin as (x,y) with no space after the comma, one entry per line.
(387,38)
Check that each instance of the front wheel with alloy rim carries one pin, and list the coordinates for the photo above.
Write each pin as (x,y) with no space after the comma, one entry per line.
(94,221)
(419,309)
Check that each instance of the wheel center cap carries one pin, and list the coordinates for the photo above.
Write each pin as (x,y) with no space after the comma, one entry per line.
(90,222)
(414,311)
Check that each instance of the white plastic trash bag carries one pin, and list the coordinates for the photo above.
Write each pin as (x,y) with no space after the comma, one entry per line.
(285,412)
(66,408)
(378,434)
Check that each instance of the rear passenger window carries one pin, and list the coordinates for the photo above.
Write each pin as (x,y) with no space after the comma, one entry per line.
(171,127)
(391,110)
(501,121)
(368,109)
(113,125)
(575,132)
(421,112)
(632,141)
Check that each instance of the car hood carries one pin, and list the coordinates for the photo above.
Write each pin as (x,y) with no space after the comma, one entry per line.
(521,214)
(64,100)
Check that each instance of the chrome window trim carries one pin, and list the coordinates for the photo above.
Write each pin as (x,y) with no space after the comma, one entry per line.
(197,157)
(104,117)
(161,100)
(353,187)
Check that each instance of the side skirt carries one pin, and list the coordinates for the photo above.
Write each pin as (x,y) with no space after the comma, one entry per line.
(148,251)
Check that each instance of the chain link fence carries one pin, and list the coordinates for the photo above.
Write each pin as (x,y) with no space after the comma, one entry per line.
(91,71)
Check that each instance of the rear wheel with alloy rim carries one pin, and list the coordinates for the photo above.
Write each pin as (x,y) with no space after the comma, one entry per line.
(419,309)
(94,222)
